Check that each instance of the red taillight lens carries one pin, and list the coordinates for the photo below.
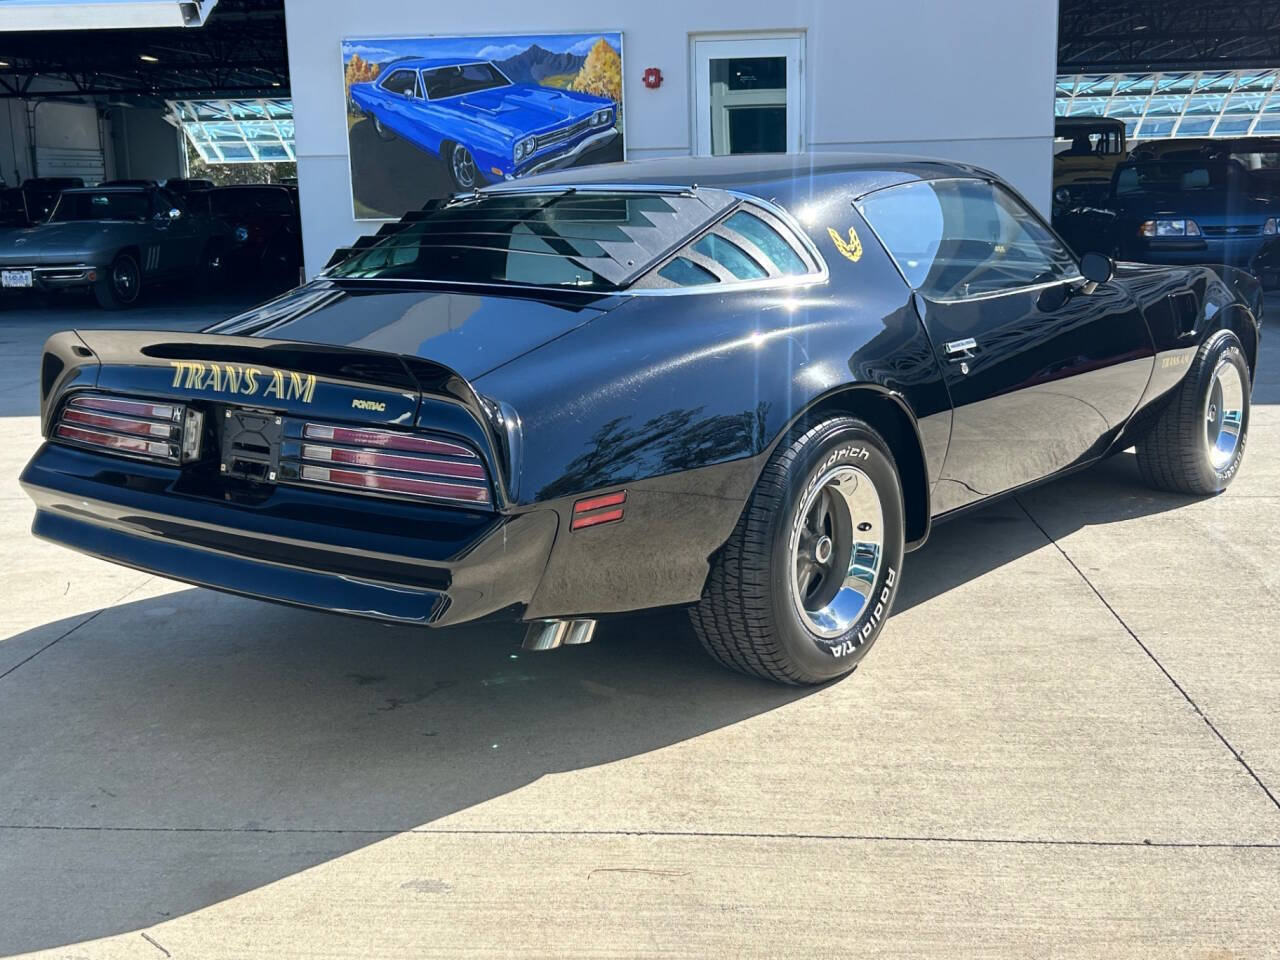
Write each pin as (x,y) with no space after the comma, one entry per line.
(111,441)
(389,483)
(606,508)
(158,431)
(391,462)
(384,440)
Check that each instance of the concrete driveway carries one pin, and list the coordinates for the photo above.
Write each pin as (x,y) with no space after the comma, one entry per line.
(1067,742)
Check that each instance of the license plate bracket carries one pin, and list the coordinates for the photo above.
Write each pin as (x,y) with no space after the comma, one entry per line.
(16,279)
(249,444)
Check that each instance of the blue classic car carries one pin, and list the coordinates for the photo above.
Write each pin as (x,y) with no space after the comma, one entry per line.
(484,127)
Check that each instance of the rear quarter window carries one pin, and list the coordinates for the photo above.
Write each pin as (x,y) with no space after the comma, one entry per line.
(749,244)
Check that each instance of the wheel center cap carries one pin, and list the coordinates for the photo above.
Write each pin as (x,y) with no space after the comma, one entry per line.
(822,549)
(1213,413)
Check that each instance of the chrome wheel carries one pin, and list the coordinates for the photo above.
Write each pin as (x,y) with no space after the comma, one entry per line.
(836,546)
(124,279)
(1224,414)
(464,166)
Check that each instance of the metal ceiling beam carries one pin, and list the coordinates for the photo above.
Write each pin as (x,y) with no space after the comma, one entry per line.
(240,51)
(1121,36)
(31,15)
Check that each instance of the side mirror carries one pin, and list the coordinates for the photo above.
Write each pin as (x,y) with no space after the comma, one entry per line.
(174,213)
(1096,268)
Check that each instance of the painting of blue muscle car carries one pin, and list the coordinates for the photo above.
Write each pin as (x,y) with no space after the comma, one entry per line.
(483,110)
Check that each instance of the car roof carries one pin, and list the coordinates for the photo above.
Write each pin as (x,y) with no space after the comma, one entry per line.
(1091,123)
(427,63)
(123,188)
(768,176)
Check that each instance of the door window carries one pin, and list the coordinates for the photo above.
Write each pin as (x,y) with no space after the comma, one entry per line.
(402,82)
(956,239)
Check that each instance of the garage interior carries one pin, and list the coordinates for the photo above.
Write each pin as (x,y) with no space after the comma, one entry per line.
(106,104)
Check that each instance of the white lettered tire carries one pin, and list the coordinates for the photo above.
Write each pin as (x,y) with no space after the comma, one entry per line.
(807,579)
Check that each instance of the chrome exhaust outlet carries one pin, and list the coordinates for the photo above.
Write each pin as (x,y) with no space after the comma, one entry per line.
(549,634)
(580,632)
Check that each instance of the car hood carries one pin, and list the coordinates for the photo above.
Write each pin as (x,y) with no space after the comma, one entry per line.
(472,333)
(43,237)
(524,108)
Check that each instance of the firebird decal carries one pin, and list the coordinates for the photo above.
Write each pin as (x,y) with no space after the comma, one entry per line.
(852,249)
(232,378)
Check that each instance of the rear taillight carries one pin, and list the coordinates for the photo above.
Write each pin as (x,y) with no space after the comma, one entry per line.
(389,462)
(168,432)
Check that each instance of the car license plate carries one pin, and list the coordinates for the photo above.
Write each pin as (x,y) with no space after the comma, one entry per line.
(15,278)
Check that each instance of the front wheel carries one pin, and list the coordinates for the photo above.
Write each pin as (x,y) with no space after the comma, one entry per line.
(122,284)
(1198,441)
(462,167)
(382,132)
(806,581)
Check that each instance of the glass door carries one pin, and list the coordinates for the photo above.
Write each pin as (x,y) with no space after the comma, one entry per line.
(747,96)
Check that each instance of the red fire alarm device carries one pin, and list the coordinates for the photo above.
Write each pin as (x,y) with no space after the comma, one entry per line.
(653,78)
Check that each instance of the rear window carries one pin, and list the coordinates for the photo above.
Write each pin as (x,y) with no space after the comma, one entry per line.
(574,239)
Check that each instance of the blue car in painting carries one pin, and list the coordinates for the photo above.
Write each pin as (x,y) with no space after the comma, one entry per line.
(484,127)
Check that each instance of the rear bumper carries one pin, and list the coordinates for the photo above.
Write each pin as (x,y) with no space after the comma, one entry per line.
(386,561)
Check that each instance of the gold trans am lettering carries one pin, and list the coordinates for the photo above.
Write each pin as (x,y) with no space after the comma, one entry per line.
(852,249)
(233,379)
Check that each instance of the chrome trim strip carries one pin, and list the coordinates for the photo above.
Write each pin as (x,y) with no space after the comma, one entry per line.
(599,139)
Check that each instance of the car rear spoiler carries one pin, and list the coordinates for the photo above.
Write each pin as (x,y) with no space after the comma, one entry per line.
(354,383)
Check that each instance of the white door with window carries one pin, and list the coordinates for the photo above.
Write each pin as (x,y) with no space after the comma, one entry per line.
(747,95)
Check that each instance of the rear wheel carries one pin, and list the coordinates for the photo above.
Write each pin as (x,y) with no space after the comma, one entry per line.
(805,583)
(122,284)
(382,132)
(1197,443)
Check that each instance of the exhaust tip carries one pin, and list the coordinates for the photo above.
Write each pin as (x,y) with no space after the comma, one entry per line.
(549,634)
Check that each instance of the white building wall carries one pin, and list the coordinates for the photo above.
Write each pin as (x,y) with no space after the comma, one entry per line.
(965,81)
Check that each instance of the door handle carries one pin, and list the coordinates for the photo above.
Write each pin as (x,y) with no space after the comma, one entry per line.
(960,349)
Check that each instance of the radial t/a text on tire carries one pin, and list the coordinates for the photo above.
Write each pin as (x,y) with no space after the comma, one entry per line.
(807,579)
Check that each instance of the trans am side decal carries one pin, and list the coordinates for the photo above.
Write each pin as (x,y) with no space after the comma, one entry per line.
(852,249)
(241,381)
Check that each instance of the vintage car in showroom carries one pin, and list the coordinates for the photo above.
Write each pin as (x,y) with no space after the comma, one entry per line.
(1087,151)
(115,241)
(746,386)
(1181,211)
(484,128)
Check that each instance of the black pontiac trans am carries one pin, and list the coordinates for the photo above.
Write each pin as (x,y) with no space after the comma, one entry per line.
(745,386)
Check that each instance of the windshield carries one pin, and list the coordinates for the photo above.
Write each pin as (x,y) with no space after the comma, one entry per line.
(588,241)
(1175,176)
(102,205)
(467,78)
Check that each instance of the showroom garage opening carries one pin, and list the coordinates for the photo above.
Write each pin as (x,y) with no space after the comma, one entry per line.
(185,103)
